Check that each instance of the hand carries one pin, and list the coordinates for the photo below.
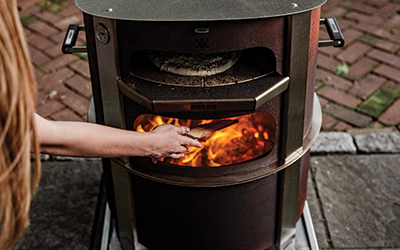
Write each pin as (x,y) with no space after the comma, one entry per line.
(169,141)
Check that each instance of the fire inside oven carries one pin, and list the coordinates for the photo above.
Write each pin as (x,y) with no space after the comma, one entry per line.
(252,136)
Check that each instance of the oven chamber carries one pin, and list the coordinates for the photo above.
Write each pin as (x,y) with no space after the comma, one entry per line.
(253,204)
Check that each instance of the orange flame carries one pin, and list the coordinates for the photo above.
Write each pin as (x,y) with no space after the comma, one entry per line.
(251,137)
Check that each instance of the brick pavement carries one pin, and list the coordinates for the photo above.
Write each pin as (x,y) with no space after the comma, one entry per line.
(368,96)
(63,80)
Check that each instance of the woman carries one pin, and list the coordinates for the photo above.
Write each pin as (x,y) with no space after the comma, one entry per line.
(23,132)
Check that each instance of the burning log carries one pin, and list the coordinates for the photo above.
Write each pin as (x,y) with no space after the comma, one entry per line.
(238,139)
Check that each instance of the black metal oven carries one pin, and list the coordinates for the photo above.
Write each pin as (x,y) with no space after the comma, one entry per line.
(252,202)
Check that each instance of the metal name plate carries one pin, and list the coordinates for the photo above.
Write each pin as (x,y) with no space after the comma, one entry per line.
(204,106)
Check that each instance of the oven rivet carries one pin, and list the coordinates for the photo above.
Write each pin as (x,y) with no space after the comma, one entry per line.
(109,10)
(294,5)
(102,33)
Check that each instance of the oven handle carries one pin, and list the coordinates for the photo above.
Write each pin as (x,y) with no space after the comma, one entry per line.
(71,36)
(337,39)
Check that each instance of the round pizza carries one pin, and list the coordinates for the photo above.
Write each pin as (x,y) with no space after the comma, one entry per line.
(196,64)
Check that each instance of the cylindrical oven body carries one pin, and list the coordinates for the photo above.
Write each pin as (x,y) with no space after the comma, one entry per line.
(229,217)
(242,216)
(228,207)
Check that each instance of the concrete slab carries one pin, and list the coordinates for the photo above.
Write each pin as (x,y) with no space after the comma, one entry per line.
(378,142)
(354,202)
(359,199)
(319,221)
(63,209)
(334,143)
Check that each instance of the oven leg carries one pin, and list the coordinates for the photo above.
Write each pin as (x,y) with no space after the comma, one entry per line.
(289,200)
(124,206)
(309,228)
(294,101)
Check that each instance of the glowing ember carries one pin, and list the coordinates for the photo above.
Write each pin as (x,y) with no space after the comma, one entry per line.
(251,137)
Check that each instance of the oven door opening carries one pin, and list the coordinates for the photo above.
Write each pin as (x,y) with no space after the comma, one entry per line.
(251,64)
(252,136)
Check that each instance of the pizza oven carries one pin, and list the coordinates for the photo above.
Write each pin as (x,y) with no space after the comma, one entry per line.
(246,188)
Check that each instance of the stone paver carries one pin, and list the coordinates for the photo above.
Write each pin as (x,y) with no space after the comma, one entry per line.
(81,85)
(367,86)
(392,115)
(339,97)
(359,201)
(388,72)
(349,116)
(49,79)
(63,208)
(378,142)
(380,100)
(335,143)
(333,80)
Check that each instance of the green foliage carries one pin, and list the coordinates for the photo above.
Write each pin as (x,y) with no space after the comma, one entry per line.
(53,6)
(369,39)
(380,100)
(342,69)
(26,20)
(82,56)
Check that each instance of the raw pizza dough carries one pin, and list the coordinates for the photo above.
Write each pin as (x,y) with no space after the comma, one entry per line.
(194,64)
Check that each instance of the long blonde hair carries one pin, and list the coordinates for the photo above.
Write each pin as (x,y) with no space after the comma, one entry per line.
(17,133)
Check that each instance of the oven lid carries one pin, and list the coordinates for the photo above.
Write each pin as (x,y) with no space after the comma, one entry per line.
(195,10)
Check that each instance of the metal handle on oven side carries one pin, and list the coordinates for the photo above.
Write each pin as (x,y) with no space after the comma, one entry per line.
(68,46)
(335,34)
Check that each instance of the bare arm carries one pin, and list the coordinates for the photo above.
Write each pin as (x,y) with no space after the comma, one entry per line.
(81,139)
